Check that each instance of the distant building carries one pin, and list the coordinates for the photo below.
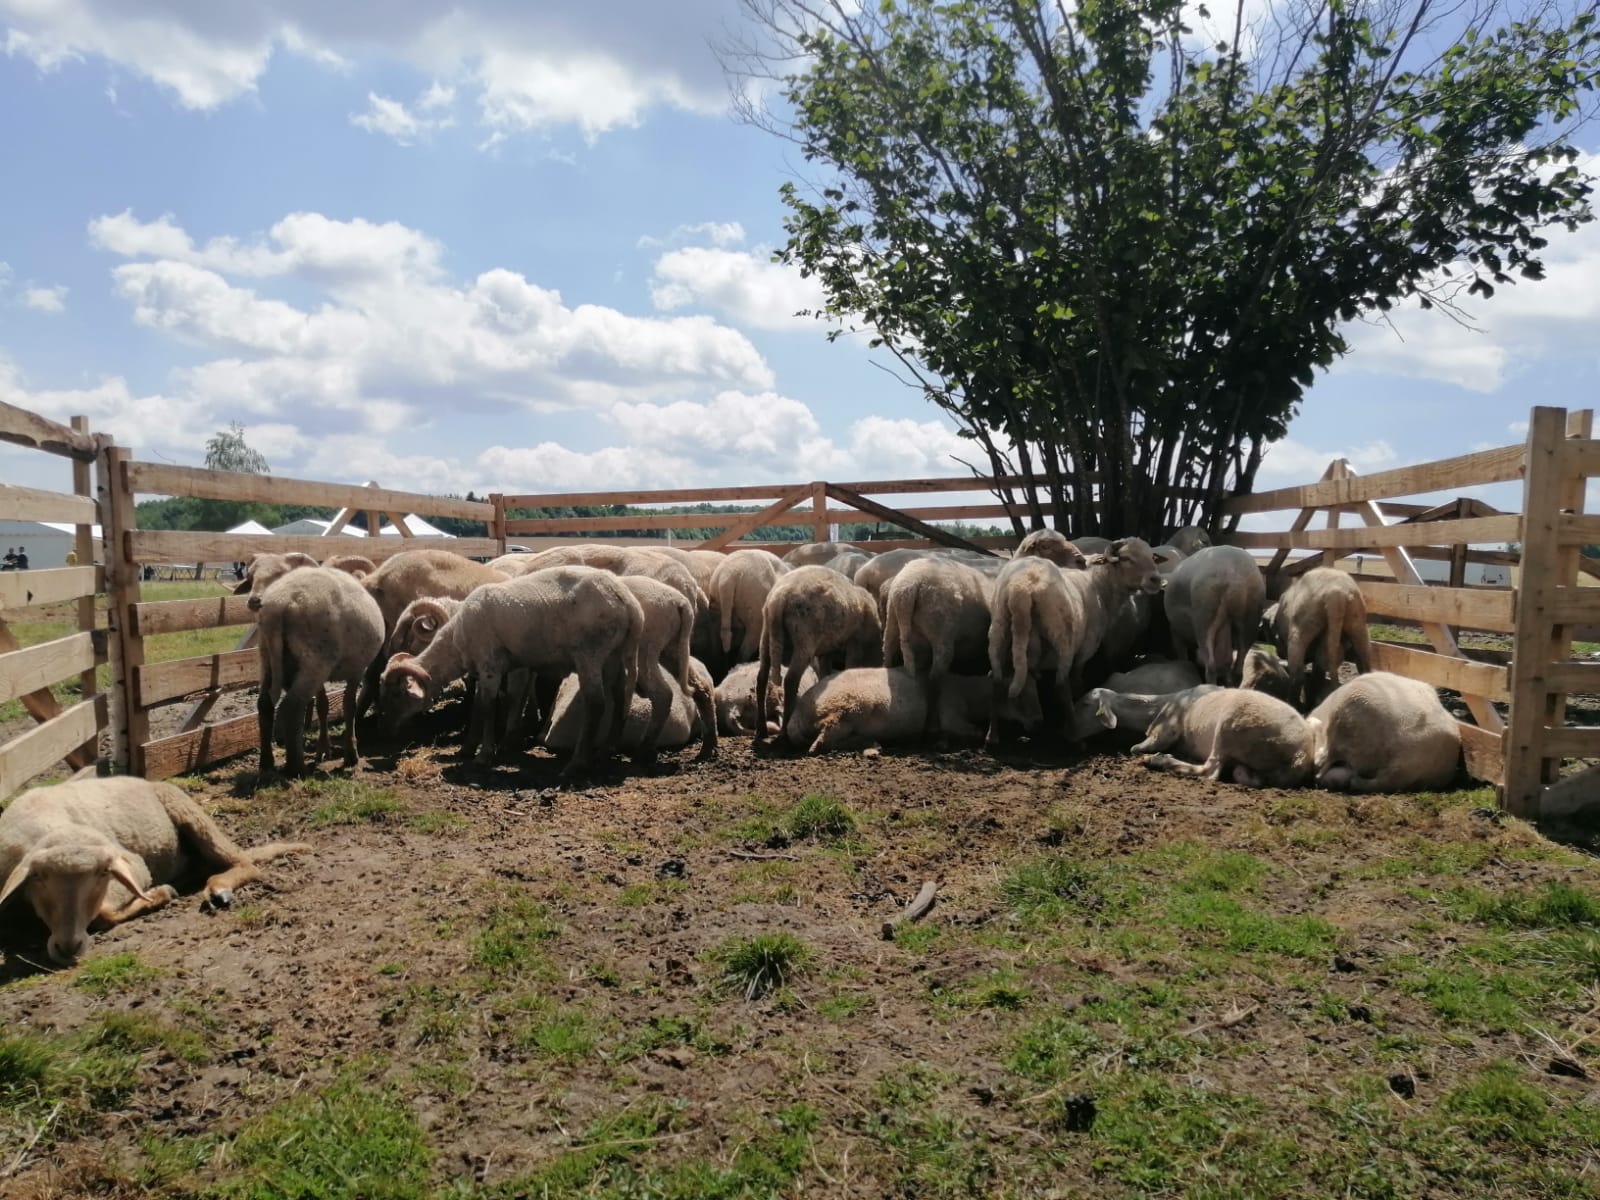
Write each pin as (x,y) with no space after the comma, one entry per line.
(44,542)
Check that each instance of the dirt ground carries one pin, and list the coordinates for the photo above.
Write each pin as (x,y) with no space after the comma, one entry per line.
(1252,988)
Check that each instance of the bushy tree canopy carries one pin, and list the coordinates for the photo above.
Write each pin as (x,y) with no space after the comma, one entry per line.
(1113,250)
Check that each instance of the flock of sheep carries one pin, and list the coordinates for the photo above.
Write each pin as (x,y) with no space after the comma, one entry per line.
(594,646)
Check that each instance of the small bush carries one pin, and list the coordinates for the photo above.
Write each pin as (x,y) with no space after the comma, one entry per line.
(762,964)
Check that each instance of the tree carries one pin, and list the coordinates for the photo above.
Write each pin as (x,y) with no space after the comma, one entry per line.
(226,450)
(1117,254)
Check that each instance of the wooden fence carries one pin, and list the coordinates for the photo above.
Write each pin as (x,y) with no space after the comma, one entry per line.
(28,673)
(1521,750)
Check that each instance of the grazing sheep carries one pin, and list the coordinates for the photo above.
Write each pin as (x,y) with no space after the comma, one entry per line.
(1264,672)
(736,698)
(1245,737)
(817,554)
(317,626)
(866,706)
(936,619)
(1045,617)
(739,589)
(664,660)
(1052,544)
(810,612)
(874,575)
(552,621)
(1319,614)
(1213,605)
(1189,540)
(685,721)
(1153,678)
(1385,733)
(95,852)
(848,563)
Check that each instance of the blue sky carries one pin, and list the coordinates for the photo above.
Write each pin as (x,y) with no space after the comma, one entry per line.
(521,247)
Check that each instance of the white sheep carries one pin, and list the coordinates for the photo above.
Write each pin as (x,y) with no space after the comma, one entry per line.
(1245,737)
(812,612)
(848,563)
(95,852)
(936,619)
(736,698)
(1385,733)
(871,705)
(816,554)
(1213,603)
(552,621)
(664,661)
(1052,544)
(1189,540)
(316,626)
(1319,614)
(739,589)
(1155,677)
(686,720)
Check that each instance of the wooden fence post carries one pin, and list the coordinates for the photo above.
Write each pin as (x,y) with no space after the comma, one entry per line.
(1536,637)
(497,530)
(129,722)
(83,547)
(819,512)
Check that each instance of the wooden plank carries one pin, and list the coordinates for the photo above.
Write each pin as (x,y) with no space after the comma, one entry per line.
(32,504)
(24,589)
(712,520)
(130,725)
(182,546)
(1478,530)
(1578,530)
(1573,606)
(196,749)
(1474,608)
(160,479)
(35,668)
(162,683)
(1441,670)
(1482,753)
(1581,456)
(1572,741)
(23,428)
(1573,678)
(41,703)
(174,616)
(1466,470)
(767,516)
(88,619)
(904,520)
(36,751)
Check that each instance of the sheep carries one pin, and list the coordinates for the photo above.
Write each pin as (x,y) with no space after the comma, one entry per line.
(1128,711)
(1044,616)
(1264,672)
(512,565)
(420,623)
(848,563)
(685,721)
(558,619)
(1052,544)
(739,588)
(864,706)
(1385,733)
(96,852)
(736,698)
(817,554)
(936,619)
(1189,540)
(1213,605)
(664,662)
(316,625)
(1155,677)
(1091,544)
(810,612)
(874,576)
(264,570)
(1318,614)
(702,564)
(1246,737)
(353,564)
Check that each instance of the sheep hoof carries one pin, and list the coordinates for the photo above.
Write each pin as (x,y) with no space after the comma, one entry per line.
(221,898)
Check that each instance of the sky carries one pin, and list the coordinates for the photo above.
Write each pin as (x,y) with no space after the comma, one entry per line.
(524,247)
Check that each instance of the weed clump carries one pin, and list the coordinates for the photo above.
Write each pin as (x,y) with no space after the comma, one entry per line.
(761,964)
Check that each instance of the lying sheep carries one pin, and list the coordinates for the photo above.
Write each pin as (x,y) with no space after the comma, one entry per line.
(551,621)
(1128,712)
(810,612)
(1319,615)
(739,589)
(317,626)
(936,619)
(736,698)
(1245,737)
(1213,604)
(867,706)
(664,663)
(686,720)
(1155,677)
(1385,733)
(95,852)
(1053,545)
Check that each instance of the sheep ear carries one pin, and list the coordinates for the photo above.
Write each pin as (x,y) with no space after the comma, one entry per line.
(243,586)
(1114,551)
(122,871)
(18,877)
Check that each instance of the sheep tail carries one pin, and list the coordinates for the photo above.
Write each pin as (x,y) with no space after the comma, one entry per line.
(681,650)
(725,603)
(891,633)
(1020,602)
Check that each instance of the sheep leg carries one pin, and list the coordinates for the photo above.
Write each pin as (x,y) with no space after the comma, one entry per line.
(518,686)
(705,705)
(266,706)
(368,693)
(1299,684)
(206,840)
(1158,739)
(659,690)
(592,692)
(488,692)
(939,660)
(292,712)
(799,654)
(350,755)
(1176,766)
(155,897)
(768,655)
(322,725)
(991,739)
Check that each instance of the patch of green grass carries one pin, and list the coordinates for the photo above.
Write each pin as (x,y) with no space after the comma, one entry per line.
(663,1032)
(352,802)
(565,1034)
(1225,871)
(932,1152)
(1002,990)
(1044,890)
(511,938)
(1557,906)
(1223,922)
(439,823)
(820,818)
(654,891)
(841,1006)
(918,937)
(1465,992)
(1500,1106)
(349,1139)
(1134,1029)
(758,965)
(113,974)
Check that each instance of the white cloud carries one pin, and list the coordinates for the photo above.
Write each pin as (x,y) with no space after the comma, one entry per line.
(407,125)
(744,286)
(46,299)
(1298,463)
(528,66)
(718,233)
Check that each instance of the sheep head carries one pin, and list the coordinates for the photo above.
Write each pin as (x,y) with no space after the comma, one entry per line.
(264,570)
(403,689)
(1135,565)
(352,564)
(1052,544)
(66,883)
(418,625)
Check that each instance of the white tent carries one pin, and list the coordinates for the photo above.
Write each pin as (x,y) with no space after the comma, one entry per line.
(417,526)
(44,542)
(311,527)
(250,527)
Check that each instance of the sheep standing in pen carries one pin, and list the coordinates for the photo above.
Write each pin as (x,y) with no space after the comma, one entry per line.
(810,612)
(95,852)
(1239,736)
(552,621)
(1213,604)
(1319,615)
(936,619)
(867,706)
(739,589)
(316,626)
(664,662)
(1385,733)
(1052,544)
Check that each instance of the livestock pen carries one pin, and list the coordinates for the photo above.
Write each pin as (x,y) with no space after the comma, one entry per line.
(1517,740)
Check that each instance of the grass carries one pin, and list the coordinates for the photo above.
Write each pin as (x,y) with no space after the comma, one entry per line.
(511,941)
(756,966)
(114,974)
(1056,886)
